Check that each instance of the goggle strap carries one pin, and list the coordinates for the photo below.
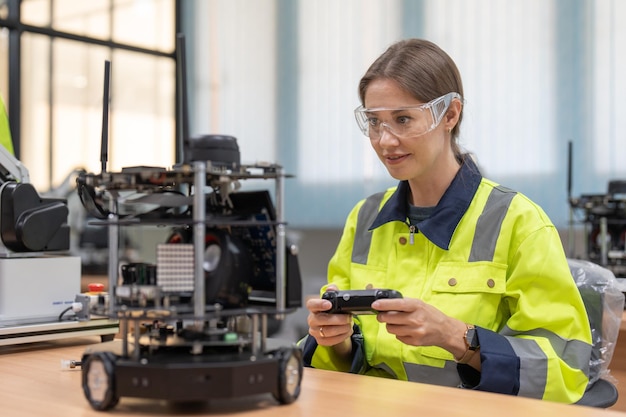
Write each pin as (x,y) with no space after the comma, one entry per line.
(440,107)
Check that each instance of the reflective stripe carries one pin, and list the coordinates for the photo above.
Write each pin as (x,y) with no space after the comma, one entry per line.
(533,364)
(533,367)
(573,352)
(447,376)
(489,224)
(387,369)
(362,236)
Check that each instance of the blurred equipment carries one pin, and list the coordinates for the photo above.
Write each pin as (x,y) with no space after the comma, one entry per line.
(39,281)
(604,218)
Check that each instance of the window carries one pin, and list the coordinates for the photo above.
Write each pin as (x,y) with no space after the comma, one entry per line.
(64,45)
(4,64)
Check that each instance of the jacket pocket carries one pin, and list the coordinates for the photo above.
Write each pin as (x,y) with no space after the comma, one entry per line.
(364,275)
(471,292)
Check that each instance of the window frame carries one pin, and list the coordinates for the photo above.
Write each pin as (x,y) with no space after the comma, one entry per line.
(13,22)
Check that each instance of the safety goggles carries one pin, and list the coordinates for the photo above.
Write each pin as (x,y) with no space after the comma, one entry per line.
(404,122)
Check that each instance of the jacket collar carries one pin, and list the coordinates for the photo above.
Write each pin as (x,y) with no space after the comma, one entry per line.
(453,204)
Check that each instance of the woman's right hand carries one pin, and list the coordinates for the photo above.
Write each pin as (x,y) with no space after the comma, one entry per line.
(329,329)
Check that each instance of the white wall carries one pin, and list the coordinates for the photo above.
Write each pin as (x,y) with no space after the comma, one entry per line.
(282,75)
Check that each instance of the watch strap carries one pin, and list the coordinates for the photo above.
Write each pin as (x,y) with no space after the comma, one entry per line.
(470,351)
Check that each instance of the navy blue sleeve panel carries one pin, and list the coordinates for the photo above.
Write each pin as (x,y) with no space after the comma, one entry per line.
(308,349)
(500,366)
(358,365)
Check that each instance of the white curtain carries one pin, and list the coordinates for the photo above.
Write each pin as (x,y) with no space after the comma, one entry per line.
(607,143)
(234,79)
(338,40)
(536,73)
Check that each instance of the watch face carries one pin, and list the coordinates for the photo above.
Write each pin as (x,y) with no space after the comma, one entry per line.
(472,339)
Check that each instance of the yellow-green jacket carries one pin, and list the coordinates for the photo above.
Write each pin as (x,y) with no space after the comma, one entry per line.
(487,256)
(5,132)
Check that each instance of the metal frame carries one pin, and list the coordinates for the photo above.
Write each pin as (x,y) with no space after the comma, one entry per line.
(278,371)
(198,175)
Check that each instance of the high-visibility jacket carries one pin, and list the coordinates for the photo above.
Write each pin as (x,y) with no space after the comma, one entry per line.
(487,256)
(5,132)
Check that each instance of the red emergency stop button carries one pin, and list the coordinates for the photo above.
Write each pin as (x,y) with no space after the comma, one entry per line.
(95,287)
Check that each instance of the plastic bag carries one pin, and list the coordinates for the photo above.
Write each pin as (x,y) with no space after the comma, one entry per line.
(604,302)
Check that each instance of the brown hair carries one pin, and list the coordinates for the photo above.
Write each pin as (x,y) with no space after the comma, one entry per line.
(421,68)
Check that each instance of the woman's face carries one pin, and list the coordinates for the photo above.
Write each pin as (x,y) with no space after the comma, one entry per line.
(405,158)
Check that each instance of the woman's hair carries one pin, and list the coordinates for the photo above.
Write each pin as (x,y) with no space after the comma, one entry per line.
(421,68)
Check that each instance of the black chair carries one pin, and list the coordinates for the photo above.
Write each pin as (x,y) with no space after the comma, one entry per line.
(604,303)
(601,394)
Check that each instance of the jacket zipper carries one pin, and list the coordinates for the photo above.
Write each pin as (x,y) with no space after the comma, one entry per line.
(412,229)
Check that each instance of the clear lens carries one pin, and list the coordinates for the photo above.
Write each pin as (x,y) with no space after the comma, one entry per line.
(403,122)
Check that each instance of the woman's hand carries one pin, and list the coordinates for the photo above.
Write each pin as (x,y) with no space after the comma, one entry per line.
(417,323)
(329,329)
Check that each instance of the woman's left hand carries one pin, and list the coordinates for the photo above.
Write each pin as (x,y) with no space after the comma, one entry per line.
(417,323)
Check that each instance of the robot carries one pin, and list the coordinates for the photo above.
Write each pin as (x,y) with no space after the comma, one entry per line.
(194,324)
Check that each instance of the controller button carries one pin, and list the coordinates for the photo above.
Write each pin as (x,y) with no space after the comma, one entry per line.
(346,297)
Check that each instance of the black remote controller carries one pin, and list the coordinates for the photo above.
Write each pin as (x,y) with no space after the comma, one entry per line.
(357,301)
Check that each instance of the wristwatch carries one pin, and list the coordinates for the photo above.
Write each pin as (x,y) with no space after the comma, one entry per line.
(471,342)
(471,337)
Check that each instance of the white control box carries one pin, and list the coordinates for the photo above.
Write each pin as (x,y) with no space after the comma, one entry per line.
(37,289)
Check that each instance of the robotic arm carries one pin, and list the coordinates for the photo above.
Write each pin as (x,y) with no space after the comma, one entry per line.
(28,223)
(12,169)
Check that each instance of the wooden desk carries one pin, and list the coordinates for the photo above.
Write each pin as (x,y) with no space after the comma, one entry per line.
(32,383)
(617,367)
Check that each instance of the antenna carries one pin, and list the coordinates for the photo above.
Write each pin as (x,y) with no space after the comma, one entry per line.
(104,144)
(181,82)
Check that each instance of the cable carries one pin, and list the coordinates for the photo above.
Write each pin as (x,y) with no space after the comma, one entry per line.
(76,307)
(63,313)
(70,363)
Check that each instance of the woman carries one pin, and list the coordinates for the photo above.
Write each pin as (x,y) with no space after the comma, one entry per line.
(489,301)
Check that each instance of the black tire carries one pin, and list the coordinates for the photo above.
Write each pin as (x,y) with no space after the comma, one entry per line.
(98,371)
(290,370)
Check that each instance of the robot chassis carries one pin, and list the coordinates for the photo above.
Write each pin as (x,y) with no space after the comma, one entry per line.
(201,349)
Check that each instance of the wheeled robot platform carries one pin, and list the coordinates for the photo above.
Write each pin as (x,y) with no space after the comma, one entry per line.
(187,366)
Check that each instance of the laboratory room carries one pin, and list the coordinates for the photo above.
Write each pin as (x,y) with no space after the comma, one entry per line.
(307,207)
